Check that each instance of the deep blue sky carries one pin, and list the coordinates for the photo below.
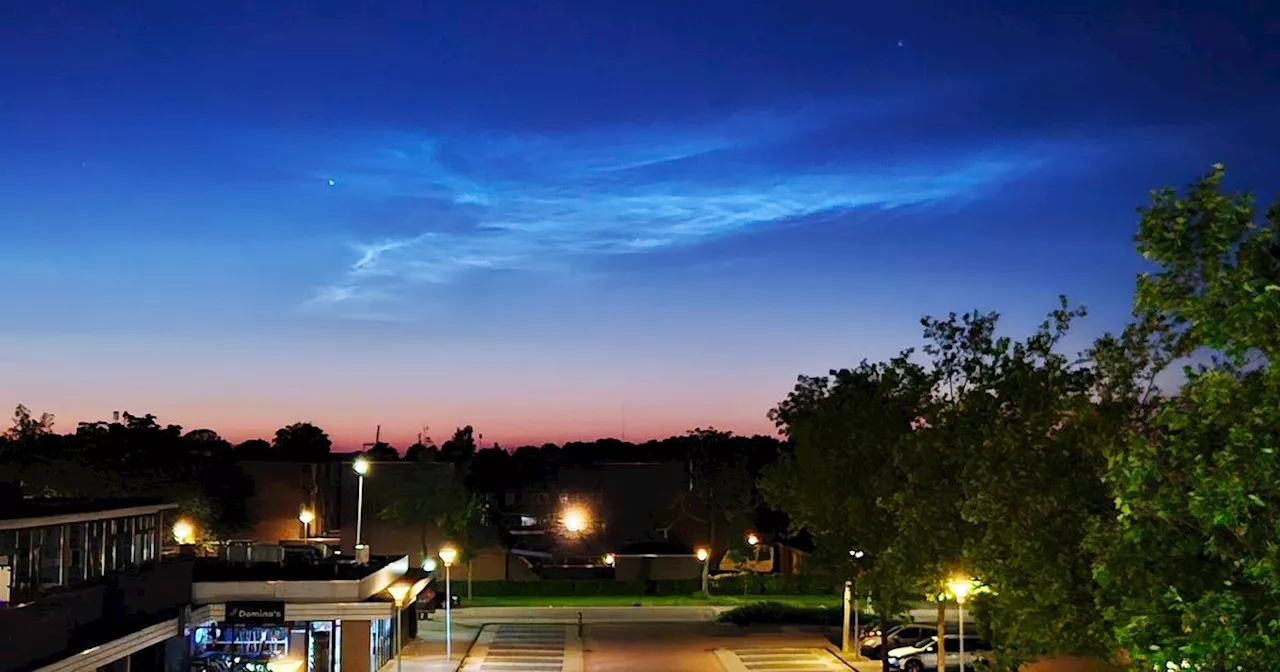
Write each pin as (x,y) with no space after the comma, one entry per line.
(530,216)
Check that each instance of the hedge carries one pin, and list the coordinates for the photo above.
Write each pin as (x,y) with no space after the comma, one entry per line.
(573,588)
(757,584)
(775,584)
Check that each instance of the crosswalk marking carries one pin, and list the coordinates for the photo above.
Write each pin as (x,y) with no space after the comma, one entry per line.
(512,647)
(779,660)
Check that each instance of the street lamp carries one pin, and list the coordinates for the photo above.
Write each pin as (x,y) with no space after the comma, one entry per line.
(575,520)
(361,467)
(703,556)
(447,555)
(306,517)
(851,604)
(398,591)
(184,532)
(754,542)
(429,565)
(609,559)
(961,588)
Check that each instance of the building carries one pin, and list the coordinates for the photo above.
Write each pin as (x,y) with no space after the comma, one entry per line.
(83,586)
(261,604)
(623,506)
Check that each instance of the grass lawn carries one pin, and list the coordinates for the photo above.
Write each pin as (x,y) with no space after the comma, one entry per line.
(651,601)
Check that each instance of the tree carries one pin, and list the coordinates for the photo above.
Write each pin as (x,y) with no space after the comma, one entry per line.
(459,448)
(253,449)
(1008,482)
(301,442)
(422,452)
(845,428)
(427,496)
(1188,567)
(26,427)
(382,452)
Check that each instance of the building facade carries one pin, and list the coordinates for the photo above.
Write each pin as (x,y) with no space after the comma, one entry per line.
(83,586)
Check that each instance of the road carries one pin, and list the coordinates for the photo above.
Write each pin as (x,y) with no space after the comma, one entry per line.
(684,647)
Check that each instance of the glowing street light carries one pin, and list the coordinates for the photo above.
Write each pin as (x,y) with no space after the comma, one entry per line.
(702,554)
(752,539)
(429,565)
(306,517)
(575,520)
(609,559)
(184,532)
(961,588)
(398,591)
(754,542)
(447,555)
(361,467)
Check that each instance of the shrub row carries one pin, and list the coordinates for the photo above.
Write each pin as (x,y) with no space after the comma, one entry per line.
(569,588)
(768,613)
(775,584)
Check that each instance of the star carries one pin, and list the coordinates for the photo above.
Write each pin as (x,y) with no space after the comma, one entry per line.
(331,183)
(899,43)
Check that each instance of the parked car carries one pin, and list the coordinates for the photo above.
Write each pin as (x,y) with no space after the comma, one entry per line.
(897,636)
(923,655)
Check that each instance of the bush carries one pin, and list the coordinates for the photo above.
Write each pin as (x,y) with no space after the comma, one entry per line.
(583,588)
(779,613)
(775,584)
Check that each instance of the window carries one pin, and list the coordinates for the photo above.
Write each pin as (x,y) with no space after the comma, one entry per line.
(564,499)
(540,498)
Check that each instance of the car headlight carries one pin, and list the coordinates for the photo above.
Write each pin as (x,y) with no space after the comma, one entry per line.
(893,662)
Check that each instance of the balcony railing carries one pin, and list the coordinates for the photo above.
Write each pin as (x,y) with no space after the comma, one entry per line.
(63,623)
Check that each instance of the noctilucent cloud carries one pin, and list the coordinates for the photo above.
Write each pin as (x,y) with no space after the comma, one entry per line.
(564,220)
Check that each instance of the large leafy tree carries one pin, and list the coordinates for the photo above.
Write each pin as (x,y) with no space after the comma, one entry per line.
(1190,567)
(845,428)
(302,442)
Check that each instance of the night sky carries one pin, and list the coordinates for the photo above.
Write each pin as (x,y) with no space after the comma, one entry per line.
(557,220)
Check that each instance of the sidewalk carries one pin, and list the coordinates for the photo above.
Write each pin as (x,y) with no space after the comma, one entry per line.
(426,653)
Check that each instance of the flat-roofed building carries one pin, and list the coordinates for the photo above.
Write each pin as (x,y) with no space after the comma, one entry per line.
(83,586)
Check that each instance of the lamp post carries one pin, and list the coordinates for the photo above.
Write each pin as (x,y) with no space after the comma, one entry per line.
(306,517)
(754,542)
(447,555)
(398,591)
(852,586)
(361,467)
(704,556)
(961,587)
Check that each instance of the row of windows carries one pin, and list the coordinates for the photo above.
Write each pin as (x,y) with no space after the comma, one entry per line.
(563,498)
(42,558)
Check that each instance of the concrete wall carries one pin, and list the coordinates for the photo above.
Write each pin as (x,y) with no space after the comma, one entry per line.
(281,490)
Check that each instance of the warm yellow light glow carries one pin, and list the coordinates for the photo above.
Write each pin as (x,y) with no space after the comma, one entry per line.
(399,591)
(575,520)
(752,538)
(703,554)
(284,665)
(448,554)
(306,517)
(184,532)
(960,587)
(361,466)
(609,559)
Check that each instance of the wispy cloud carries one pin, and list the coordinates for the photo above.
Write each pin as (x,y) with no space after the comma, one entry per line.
(525,203)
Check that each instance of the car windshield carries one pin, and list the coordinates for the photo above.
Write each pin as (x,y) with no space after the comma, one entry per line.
(926,642)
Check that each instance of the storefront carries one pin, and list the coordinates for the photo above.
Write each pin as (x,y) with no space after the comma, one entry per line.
(263,637)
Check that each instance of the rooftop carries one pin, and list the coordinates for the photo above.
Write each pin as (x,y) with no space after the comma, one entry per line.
(212,570)
(32,512)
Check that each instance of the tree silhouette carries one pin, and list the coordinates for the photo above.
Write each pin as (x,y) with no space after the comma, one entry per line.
(301,442)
